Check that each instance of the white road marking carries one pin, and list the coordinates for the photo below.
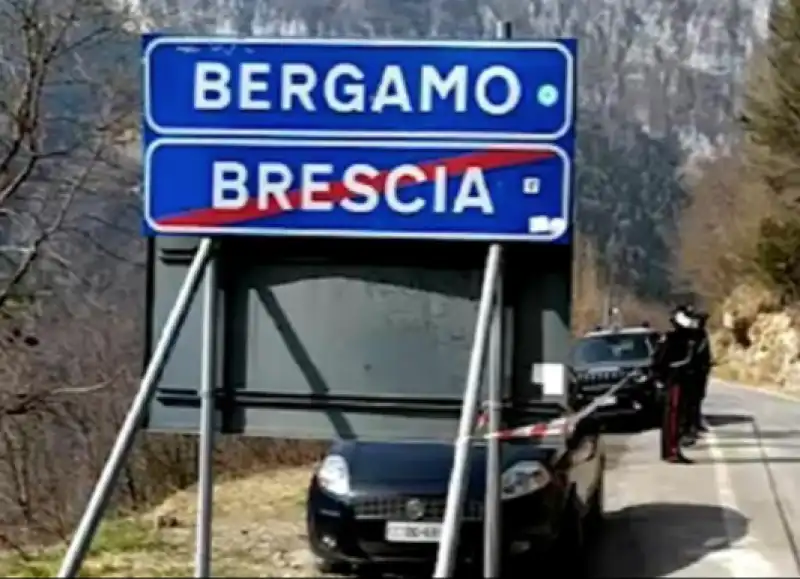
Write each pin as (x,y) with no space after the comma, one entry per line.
(742,558)
(763,390)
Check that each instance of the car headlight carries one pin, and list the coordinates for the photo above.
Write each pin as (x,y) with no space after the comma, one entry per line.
(334,476)
(523,478)
(640,378)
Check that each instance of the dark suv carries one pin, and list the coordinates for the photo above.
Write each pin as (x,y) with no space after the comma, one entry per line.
(602,358)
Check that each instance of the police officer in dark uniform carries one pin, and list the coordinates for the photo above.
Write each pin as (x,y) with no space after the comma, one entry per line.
(701,369)
(670,365)
(690,380)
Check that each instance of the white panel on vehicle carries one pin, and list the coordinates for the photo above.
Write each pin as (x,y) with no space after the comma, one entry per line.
(552,377)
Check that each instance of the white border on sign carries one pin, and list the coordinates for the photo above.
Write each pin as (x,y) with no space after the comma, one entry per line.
(569,87)
(281,143)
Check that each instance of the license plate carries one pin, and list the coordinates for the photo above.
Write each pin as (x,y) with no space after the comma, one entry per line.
(397,532)
(608,401)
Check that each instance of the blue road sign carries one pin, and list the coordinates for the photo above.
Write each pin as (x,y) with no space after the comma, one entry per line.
(393,189)
(323,88)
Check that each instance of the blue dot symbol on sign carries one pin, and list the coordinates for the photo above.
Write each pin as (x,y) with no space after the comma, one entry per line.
(547,95)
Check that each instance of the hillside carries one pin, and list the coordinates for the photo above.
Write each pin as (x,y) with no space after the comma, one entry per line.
(659,84)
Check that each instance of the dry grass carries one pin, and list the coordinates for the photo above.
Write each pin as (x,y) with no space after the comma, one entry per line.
(259,531)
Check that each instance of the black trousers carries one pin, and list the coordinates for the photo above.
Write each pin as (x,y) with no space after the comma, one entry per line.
(697,385)
(673,420)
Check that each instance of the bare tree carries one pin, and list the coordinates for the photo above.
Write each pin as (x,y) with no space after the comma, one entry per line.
(64,103)
(67,101)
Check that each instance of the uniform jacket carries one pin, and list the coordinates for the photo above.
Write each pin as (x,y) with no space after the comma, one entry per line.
(676,346)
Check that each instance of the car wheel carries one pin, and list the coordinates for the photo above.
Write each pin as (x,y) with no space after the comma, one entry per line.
(569,552)
(331,567)
(366,571)
(650,414)
(593,522)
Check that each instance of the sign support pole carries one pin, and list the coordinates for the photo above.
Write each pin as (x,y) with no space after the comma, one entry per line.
(87,528)
(457,490)
(493,517)
(492,523)
(205,448)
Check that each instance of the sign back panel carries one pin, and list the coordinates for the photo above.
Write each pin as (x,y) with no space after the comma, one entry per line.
(349,342)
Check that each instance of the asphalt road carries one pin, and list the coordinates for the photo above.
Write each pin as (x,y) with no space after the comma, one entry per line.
(734,513)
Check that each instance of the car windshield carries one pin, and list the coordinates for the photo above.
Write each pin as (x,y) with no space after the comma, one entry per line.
(611,348)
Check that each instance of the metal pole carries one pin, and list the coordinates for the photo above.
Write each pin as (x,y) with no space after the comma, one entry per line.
(493,517)
(90,520)
(205,450)
(456,492)
(492,523)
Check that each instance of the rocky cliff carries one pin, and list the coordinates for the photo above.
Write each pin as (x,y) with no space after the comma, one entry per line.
(758,340)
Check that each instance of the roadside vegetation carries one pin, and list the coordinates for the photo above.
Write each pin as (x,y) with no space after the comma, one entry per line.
(252,538)
(72,301)
(739,239)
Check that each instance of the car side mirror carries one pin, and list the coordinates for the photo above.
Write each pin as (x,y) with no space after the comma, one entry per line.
(582,443)
(588,426)
(572,389)
(574,399)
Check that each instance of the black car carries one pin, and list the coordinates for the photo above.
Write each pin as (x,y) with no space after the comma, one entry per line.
(602,358)
(379,503)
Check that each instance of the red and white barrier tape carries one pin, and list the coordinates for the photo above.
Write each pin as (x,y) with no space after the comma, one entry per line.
(557,427)
(561,426)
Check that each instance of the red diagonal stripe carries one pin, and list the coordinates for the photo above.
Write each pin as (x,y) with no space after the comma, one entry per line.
(455,166)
